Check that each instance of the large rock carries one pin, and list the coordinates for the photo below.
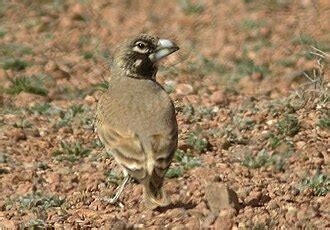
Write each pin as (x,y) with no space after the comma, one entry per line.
(219,197)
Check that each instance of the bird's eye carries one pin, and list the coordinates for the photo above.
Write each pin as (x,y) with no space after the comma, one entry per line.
(141,45)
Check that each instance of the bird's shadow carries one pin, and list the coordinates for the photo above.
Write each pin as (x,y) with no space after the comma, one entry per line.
(186,206)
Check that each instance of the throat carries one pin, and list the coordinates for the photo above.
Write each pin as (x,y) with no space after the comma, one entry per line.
(141,72)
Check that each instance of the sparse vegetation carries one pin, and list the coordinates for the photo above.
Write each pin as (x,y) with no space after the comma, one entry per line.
(33,84)
(195,114)
(23,124)
(191,8)
(66,117)
(246,66)
(320,183)
(198,142)
(185,162)
(288,125)
(70,151)
(264,159)
(174,172)
(15,64)
(113,177)
(34,201)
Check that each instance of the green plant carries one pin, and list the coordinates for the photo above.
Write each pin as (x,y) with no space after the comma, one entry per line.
(324,121)
(14,64)
(185,162)
(45,109)
(198,142)
(191,8)
(288,125)
(23,123)
(10,51)
(33,84)
(39,200)
(174,172)
(320,183)
(71,151)
(264,159)
(2,32)
(250,24)
(274,141)
(88,55)
(33,224)
(246,66)
(195,114)
(203,66)
(113,177)
(103,86)
(68,115)
(41,109)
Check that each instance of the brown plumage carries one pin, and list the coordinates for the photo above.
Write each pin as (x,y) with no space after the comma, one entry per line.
(136,118)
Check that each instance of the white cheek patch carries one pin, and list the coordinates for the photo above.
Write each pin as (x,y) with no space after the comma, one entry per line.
(137,63)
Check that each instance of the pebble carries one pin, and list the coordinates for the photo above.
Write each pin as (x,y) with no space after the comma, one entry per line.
(300,145)
(184,89)
(18,135)
(90,99)
(219,196)
(219,97)
(193,223)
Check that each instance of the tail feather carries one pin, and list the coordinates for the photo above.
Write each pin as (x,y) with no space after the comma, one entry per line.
(154,193)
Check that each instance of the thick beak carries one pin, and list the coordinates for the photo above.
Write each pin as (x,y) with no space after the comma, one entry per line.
(164,48)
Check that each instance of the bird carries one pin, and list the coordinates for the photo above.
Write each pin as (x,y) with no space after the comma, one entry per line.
(136,119)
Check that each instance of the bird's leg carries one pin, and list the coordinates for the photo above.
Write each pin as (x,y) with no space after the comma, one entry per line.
(120,189)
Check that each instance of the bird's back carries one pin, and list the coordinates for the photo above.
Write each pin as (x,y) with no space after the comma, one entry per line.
(137,123)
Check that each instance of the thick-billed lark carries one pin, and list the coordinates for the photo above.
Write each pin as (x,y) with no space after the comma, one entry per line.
(136,118)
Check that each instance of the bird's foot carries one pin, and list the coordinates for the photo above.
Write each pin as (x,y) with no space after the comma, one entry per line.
(113,200)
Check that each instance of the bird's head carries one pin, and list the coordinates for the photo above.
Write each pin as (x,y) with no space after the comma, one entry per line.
(139,57)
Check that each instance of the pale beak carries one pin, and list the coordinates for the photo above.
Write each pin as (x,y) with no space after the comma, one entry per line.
(165,47)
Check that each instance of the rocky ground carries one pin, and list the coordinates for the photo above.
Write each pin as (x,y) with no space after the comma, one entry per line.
(250,85)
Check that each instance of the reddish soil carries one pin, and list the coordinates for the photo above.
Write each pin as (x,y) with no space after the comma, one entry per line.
(254,129)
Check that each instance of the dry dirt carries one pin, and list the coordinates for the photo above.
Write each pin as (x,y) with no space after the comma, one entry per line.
(254,129)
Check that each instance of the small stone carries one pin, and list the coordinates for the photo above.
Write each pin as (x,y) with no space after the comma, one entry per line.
(50,66)
(295,191)
(90,99)
(193,223)
(282,148)
(219,97)
(8,224)
(271,122)
(119,224)
(272,205)
(32,132)
(77,11)
(18,135)
(209,220)
(184,89)
(257,76)
(300,145)
(256,199)
(23,99)
(219,196)
(176,212)
(223,223)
